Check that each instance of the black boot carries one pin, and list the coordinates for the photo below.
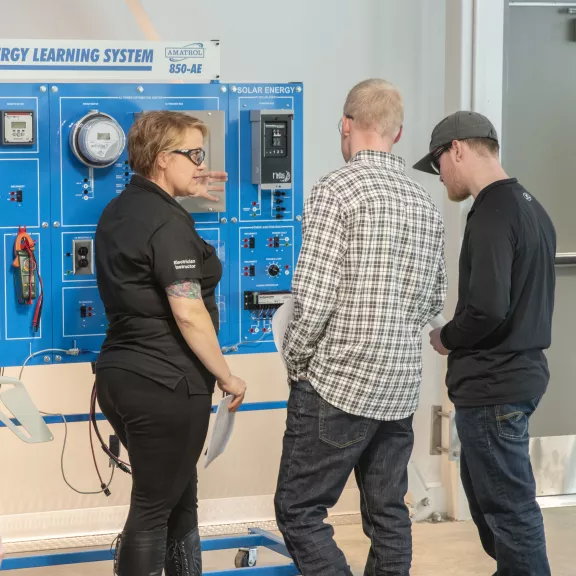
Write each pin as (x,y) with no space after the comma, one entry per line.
(184,557)
(140,553)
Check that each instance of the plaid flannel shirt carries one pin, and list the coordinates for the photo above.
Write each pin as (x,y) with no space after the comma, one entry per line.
(370,276)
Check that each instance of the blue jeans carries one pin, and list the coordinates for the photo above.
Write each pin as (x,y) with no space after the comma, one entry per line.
(499,484)
(322,445)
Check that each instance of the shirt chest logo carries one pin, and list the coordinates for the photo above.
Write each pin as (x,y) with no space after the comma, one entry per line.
(527,196)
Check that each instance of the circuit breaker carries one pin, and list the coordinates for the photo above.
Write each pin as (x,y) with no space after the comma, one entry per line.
(63,157)
(272,149)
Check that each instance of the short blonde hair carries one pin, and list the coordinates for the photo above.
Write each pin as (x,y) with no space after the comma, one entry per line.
(376,104)
(157,131)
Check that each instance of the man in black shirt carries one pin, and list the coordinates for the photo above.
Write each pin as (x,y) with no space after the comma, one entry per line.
(497,370)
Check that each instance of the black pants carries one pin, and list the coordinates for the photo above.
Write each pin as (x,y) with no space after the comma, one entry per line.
(322,446)
(164,432)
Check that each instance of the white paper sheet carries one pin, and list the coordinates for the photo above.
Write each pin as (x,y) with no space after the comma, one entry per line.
(282,317)
(438,321)
(222,430)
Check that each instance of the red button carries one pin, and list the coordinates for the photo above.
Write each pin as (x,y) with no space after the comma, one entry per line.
(263,329)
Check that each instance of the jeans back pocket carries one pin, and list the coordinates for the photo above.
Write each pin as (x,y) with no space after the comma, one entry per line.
(340,429)
(512,421)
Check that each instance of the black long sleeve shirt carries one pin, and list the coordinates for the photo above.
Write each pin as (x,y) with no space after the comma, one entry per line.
(503,320)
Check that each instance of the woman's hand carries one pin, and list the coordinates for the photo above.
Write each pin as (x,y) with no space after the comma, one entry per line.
(236,387)
(206,182)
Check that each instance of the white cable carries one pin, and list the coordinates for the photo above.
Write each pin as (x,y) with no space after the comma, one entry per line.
(234,348)
(62,460)
(69,352)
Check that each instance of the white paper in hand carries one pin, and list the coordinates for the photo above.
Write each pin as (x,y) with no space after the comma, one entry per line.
(438,322)
(223,427)
(282,317)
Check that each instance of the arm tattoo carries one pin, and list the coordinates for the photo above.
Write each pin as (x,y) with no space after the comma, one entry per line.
(185,289)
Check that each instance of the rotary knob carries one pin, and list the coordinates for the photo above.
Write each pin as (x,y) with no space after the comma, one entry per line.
(273,270)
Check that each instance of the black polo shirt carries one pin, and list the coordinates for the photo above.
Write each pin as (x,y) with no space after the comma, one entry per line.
(503,319)
(145,241)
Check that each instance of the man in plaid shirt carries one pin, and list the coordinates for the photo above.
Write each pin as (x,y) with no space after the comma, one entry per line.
(370,276)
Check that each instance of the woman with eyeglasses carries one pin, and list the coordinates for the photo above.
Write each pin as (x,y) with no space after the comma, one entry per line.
(161,359)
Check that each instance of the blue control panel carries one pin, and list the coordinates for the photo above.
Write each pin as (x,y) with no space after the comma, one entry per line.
(49,185)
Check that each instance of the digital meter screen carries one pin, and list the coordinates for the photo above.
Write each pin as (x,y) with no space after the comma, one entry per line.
(105,136)
(17,127)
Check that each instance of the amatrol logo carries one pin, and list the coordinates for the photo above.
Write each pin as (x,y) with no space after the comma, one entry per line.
(195,50)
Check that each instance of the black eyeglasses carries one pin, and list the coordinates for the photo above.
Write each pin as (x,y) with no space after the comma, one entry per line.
(435,160)
(195,155)
(340,123)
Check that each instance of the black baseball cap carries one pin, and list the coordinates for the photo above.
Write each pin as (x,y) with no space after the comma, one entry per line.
(458,126)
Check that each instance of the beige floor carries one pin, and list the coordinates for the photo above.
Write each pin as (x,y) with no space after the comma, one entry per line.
(439,549)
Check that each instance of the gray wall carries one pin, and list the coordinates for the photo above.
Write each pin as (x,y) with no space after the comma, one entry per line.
(329,45)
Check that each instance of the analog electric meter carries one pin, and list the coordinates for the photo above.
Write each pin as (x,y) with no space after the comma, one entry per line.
(97,140)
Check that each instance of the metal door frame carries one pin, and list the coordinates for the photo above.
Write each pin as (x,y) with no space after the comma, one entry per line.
(475,67)
(544,448)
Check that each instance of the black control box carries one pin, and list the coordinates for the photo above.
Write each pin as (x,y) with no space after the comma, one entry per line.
(272,164)
(265,300)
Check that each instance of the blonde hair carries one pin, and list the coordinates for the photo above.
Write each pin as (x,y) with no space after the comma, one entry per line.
(158,131)
(376,104)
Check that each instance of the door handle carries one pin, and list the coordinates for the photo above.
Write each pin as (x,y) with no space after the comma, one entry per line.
(565,259)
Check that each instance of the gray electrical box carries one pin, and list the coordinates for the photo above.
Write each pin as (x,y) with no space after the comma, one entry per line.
(272,159)
(215,146)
